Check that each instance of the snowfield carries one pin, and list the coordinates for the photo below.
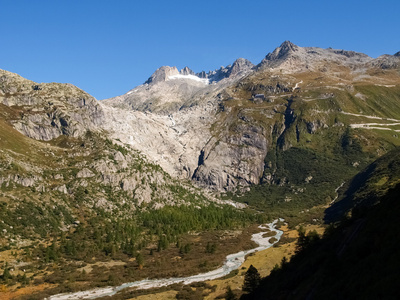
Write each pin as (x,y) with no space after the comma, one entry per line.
(191,77)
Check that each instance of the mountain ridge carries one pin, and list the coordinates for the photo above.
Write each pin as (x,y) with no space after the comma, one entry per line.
(127,179)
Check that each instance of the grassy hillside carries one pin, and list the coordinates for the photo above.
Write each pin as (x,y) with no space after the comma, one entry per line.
(318,136)
(76,211)
(356,259)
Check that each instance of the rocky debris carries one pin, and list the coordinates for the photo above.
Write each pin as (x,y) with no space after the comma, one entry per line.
(85,173)
(143,194)
(21,180)
(129,184)
(62,188)
(120,158)
(104,204)
(58,176)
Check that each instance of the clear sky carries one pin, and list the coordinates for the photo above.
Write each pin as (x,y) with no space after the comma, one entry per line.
(109,47)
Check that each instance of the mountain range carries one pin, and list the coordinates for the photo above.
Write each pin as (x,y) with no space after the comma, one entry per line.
(282,137)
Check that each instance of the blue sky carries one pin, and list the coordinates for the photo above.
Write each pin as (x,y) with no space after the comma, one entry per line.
(108,47)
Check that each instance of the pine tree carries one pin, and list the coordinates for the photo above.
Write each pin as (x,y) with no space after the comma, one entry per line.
(6,274)
(251,279)
(229,294)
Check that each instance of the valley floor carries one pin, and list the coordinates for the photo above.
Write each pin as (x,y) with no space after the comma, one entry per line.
(264,261)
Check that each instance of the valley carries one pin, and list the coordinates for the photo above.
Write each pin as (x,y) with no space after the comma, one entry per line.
(169,178)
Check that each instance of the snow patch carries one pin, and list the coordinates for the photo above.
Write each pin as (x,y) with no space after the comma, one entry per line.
(191,77)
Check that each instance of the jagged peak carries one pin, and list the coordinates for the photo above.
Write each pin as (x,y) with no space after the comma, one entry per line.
(186,71)
(397,54)
(282,51)
(242,61)
(162,74)
(288,45)
(239,65)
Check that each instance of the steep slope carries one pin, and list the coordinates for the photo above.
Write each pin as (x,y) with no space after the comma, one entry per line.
(84,182)
(357,259)
(168,90)
(72,196)
(49,110)
(230,134)
(172,112)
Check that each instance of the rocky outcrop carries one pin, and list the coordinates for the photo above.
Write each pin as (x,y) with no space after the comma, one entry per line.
(282,52)
(85,173)
(235,159)
(49,110)
(239,67)
(386,62)
(291,58)
(186,71)
(21,180)
(162,74)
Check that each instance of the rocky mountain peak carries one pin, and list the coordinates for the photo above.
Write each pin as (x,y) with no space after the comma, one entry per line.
(239,65)
(397,54)
(282,51)
(161,74)
(186,71)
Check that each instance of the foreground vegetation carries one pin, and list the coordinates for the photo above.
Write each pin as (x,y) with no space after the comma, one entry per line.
(357,257)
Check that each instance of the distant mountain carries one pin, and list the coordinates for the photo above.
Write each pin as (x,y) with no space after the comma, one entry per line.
(215,132)
(166,73)
(84,181)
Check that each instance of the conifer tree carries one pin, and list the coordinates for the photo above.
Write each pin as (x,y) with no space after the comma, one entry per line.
(229,294)
(251,279)
(6,274)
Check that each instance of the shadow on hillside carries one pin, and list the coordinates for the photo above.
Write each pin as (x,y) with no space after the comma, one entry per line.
(338,210)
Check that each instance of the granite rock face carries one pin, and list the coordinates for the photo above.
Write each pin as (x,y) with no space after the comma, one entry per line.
(387,61)
(292,59)
(49,110)
(186,71)
(235,159)
(162,74)
(207,127)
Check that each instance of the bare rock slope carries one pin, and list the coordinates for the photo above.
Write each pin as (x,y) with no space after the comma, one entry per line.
(210,127)
(49,109)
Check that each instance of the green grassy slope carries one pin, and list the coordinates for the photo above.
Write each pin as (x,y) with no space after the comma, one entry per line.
(316,136)
(357,259)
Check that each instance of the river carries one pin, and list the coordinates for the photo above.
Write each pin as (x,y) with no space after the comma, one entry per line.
(232,262)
